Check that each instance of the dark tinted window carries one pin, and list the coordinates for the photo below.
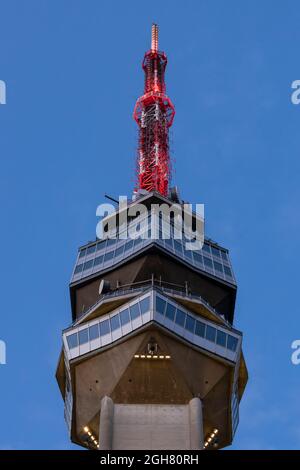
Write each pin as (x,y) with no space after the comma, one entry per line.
(180,317)
(206,248)
(200,329)
(72,340)
(78,269)
(119,251)
(170,312)
(215,251)
(221,338)
(218,266)
(110,242)
(160,305)
(227,271)
(91,249)
(188,254)
(100,246)
(124,315)
(134,311)
(83,336)
(197,258)
(94,332)
(232,343)
(137,242)
(169,242)
(190,323)
(104,327)
(207,262)
(115,322)
(88,264)
(177,246)
(82,253)
(108,256)
(145,305)
(210,333)
(129,245)
(224,255)
(98,260)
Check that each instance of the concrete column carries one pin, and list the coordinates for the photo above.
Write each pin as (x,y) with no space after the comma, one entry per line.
(106,424)
(196,424)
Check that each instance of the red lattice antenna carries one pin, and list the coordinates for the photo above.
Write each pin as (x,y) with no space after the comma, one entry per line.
(154,114)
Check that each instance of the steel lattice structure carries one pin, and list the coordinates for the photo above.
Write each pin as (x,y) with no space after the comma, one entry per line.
(154,113)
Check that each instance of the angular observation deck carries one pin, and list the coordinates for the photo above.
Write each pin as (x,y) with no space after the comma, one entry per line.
(156,307)
(99,256)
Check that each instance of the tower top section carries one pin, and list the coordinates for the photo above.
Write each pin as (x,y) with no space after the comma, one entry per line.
(154,38)
(154,113)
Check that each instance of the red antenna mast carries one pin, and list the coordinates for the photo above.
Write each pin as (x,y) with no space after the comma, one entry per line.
(154,114)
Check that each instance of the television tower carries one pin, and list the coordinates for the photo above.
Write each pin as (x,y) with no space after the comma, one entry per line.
(151,359)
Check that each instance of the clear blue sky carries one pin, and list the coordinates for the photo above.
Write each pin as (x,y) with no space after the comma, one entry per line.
(72,69)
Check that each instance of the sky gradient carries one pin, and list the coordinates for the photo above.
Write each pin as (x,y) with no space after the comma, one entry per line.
(73,72)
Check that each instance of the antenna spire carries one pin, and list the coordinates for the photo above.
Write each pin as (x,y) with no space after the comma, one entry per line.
(154,113)
(154,38)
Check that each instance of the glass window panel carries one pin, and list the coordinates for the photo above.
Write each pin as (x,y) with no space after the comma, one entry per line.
(101,246)
(170,312)
(104,327)
(207,262)
(115,322)
(197,258)
(190,323)
(119,251)
(124,316)
(98,260)
(218,266)
(215,251)
(108,256)
(72,340)
(94,331)
(78,269)
(134,311)
(83,336)
(129,245)
(145,305)
(221,338)
(180,317)
(88,264)
(110,242)
(91,249)
(210,333)
(82,253)
(232,343)
(160,305)
(227,271)
(206,248)
(188,254)
(177,246)
(137,242)
(224,255)
(169,242)
(200,329)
